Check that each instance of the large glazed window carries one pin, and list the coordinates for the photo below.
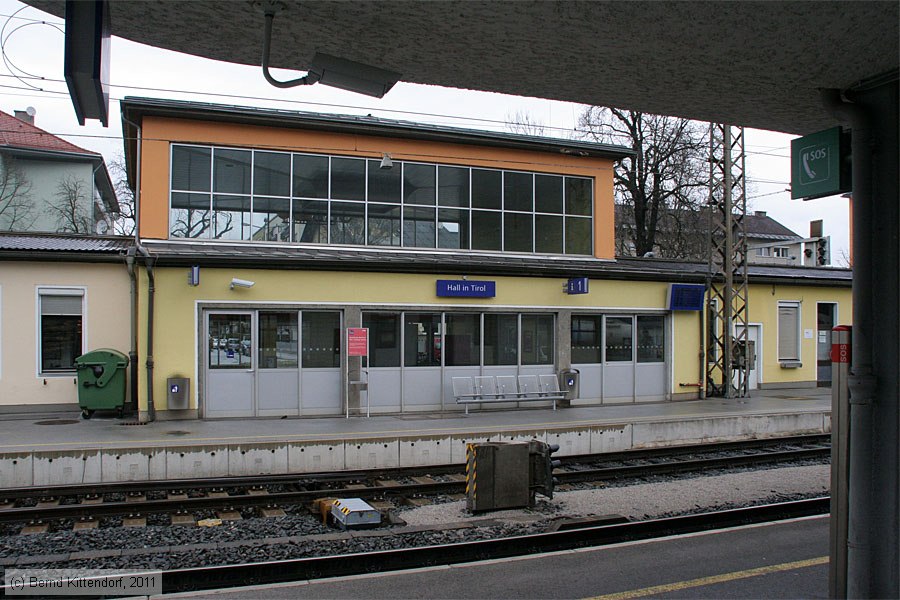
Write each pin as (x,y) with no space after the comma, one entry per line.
(463,340)
(501,339)
(61,314)
(321,339)
(239,194)
(651,339)
(537,340)
(587,345)
(229,341)
(422,340)
(278,340)
(384,339)
(619,339)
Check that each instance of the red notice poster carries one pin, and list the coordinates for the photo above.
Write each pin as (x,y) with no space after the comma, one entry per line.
(357,341)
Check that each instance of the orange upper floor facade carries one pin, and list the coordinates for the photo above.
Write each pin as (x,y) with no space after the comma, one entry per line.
(251,175)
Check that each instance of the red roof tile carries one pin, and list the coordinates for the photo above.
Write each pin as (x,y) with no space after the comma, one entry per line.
(19,134)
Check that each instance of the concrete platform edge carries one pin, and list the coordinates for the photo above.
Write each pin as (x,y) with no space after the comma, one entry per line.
(116,461)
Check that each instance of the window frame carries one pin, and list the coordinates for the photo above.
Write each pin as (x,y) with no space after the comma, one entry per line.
(781,252)
(51,290)
(572,223)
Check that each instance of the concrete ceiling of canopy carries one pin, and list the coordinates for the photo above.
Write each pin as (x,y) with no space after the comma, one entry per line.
(758,64)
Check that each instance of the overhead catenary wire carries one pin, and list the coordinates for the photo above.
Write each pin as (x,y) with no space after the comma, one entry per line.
(571,132)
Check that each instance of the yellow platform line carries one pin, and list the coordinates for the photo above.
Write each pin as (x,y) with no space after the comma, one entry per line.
(714,579)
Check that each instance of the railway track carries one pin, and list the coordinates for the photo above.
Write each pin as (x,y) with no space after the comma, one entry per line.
(224,576)
(585,535)
(182,499)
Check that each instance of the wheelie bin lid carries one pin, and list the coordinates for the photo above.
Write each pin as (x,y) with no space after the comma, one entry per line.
(102,356)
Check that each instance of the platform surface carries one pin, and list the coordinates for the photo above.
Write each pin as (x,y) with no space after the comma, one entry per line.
(61,432)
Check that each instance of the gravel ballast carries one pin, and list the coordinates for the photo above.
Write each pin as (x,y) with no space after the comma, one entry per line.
(296,535)
(649,500)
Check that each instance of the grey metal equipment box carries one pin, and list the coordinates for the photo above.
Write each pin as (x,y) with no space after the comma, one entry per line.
(497,476)
(178,393)
(354,513)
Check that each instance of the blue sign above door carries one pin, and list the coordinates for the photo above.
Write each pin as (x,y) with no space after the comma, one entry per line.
(455,288)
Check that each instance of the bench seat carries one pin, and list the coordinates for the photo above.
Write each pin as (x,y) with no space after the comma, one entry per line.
(506,388)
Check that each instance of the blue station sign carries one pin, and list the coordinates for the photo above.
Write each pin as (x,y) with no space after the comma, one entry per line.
(577,285)
(686,296)
(455,288)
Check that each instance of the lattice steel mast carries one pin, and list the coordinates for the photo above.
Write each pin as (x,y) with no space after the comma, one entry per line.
(727,365)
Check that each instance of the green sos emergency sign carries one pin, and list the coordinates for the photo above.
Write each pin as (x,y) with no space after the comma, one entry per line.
(820,164)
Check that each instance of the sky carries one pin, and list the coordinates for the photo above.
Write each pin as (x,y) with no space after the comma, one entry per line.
(31,74)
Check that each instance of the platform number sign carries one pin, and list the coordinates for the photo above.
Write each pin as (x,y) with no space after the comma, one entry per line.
(820,165)
(577,285)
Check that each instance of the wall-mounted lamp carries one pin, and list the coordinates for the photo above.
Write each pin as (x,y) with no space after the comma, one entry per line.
(194,275)
(386,162)
(329,70)
(242,283)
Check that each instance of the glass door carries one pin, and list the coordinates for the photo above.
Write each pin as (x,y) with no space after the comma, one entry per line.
(278,383)
(230,365)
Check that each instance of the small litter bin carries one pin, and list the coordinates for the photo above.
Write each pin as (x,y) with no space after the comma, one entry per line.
(569,383)
(101,381)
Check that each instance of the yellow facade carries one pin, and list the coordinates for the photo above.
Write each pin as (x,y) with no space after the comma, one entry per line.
(763,310)
(106,324)
(179,330)
(177,303)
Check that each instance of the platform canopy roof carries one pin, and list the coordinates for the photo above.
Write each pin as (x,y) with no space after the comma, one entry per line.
(758,64)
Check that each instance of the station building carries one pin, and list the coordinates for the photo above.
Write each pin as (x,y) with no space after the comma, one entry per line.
(305,207)
(268,233)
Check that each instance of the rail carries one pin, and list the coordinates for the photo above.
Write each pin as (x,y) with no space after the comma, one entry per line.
(214,577)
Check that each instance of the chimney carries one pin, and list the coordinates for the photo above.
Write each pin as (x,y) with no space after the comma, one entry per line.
(815,229)
(26,115)
(760,213)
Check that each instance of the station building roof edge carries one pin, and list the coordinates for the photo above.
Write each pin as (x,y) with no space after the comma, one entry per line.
(55,247)
(135,109)
(336,258)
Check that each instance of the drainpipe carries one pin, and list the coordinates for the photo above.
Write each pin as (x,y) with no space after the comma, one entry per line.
(862,525)
(132,353)
(149,262)
(704,313)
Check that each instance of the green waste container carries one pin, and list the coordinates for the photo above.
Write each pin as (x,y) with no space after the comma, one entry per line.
(101,381)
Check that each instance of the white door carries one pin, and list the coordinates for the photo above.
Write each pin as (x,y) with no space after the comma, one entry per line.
(755,339)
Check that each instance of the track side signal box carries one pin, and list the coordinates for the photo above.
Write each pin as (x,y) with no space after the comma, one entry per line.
(497,476)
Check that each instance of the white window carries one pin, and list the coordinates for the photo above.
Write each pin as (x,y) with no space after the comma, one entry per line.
(763,251)
(60,329)
(782,251)
(788,331)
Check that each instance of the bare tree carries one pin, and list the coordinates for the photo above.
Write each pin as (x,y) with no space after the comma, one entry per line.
(16,204)
(124,221)
(662,188)
(523,123)
(73,206)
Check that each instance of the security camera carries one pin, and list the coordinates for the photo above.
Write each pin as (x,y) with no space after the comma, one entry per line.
(235,282)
